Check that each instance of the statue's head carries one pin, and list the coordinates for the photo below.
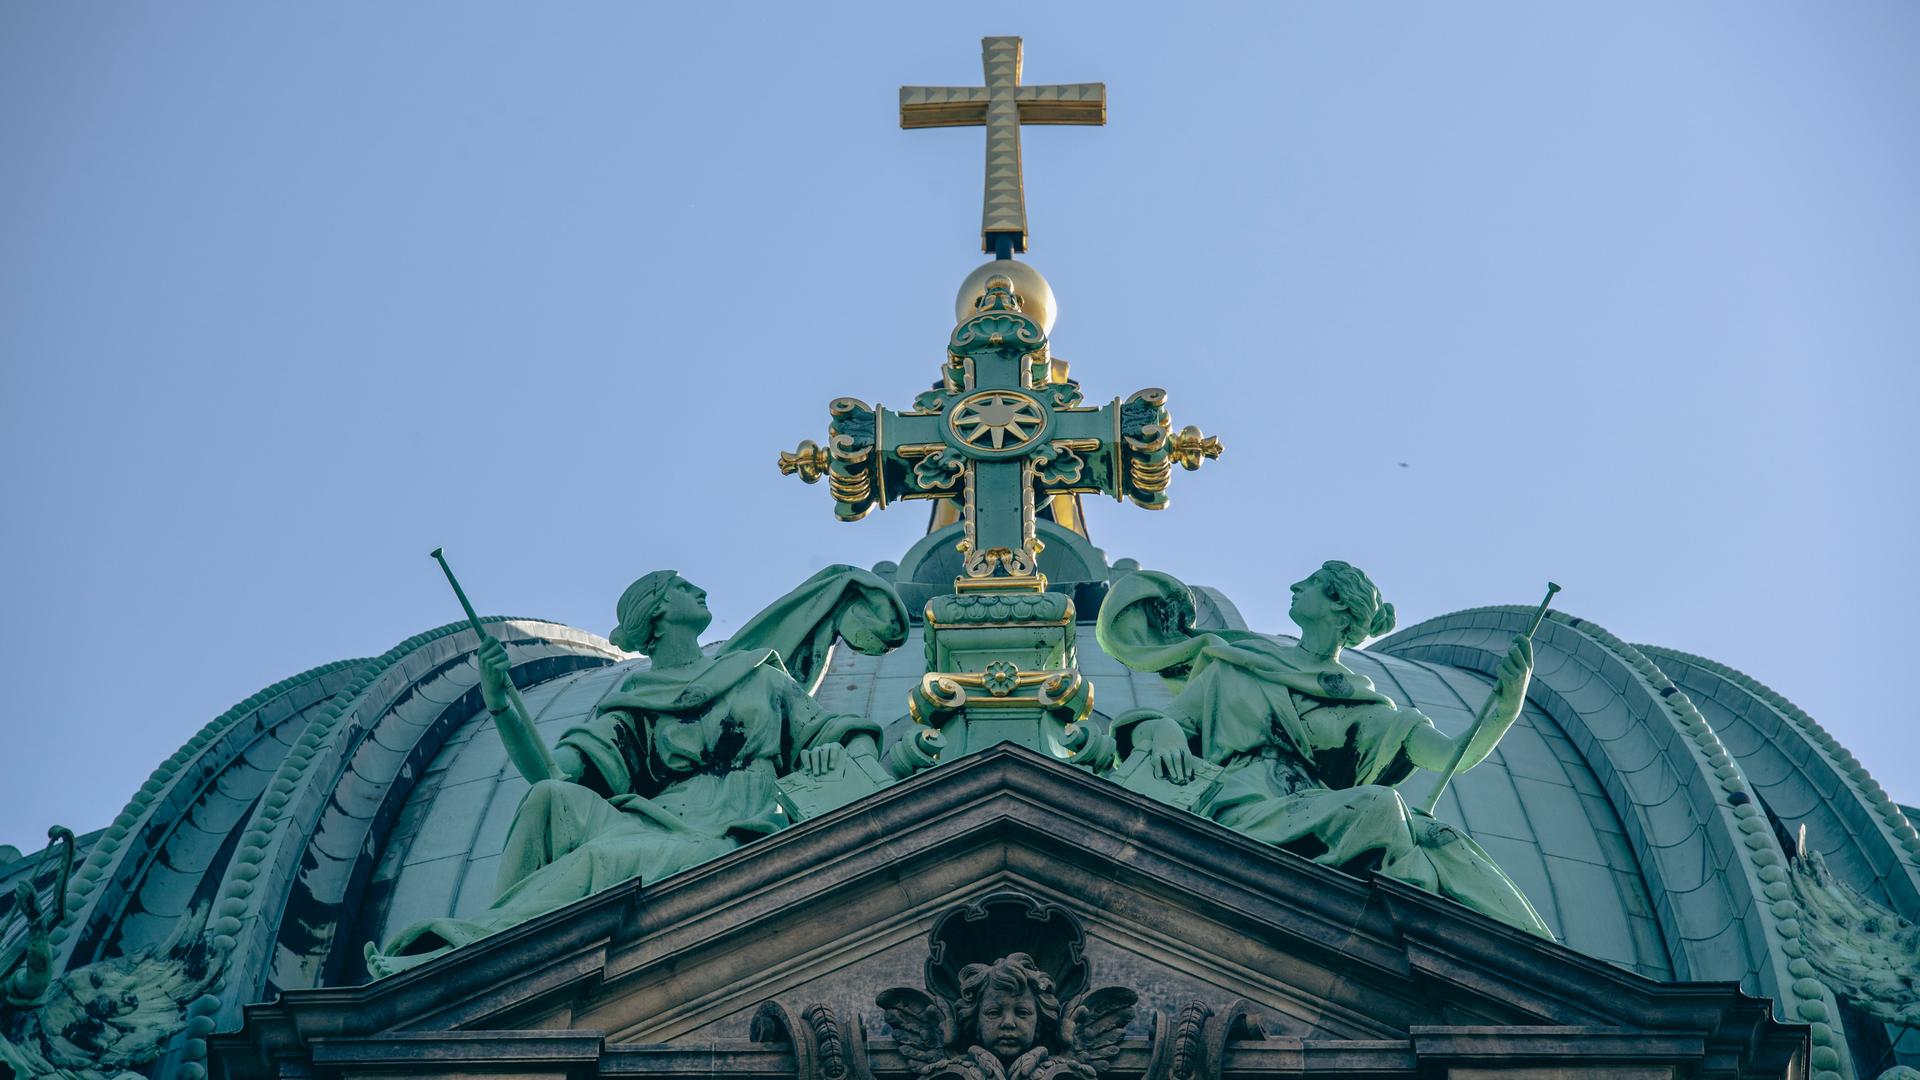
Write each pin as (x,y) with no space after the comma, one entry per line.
(1342,594)
(659,604)
(1009,1004)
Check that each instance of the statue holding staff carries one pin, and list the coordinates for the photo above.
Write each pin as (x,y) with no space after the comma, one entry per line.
(1307,750)
(680,761)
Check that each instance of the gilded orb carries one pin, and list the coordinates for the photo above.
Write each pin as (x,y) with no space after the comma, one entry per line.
(1036,296)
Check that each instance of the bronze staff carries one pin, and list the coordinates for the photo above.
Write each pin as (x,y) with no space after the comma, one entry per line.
(529,754)
(26,967)
(1480,718)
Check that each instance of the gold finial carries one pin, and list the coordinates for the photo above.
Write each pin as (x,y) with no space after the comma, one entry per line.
(810,460)
(1189,447)
(1002,106)
(1036,296)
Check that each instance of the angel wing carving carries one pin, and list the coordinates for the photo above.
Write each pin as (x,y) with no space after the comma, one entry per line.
(1093,1024)
(923,1025)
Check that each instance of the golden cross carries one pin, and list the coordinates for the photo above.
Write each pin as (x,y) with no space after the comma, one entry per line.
(1002,105)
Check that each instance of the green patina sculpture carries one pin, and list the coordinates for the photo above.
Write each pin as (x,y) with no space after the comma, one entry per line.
(26,967)
(107,1020)
(1306,749)
(1867,954)
(1003,428)
(680,762)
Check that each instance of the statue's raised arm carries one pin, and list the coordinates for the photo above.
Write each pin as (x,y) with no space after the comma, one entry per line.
(683,759)
(1307,750)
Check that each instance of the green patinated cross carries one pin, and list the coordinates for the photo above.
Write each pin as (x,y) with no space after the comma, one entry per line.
(997,434)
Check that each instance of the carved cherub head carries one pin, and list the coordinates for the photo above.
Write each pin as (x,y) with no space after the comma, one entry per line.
(1009,1005)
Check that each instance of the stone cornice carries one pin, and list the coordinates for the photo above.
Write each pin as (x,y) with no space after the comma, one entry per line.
(1315,948)
(1429,1051)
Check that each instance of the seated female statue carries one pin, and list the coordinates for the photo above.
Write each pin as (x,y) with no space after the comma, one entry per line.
(679,761)
(1309,750)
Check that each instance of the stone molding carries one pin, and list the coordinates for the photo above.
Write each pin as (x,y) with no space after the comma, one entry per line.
(1463,1053)
(1318,951)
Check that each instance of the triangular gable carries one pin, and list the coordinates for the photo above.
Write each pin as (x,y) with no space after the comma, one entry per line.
(837,909)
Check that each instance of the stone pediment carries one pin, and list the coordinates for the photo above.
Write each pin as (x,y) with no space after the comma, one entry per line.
(1337,973)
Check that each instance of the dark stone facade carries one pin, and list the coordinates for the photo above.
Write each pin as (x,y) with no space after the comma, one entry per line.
(1246,962)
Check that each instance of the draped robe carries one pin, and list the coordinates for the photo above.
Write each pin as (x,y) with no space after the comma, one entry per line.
(1309,753)
(679,764)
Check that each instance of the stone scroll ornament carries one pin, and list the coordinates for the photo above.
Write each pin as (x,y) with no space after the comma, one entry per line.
(1192,1043)
(101,1020)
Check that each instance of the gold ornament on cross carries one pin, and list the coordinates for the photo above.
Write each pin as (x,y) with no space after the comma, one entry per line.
(997,420)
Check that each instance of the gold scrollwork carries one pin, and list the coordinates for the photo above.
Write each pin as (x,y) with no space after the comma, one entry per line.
(940,471)
(850,489)
(1017,564)
(1059,465)
(1058,687)
(848,449)
(1153,439)
(945,691)
(849,453)
(1149,477)
(999,330)
(1062,689)
(948,691)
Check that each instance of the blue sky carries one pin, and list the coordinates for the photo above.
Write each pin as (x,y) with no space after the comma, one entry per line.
(291,295)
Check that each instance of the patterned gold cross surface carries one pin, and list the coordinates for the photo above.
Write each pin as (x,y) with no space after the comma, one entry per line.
(1002,106)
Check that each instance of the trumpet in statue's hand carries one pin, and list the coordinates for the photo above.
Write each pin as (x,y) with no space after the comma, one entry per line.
(528,753)
(1503,706)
